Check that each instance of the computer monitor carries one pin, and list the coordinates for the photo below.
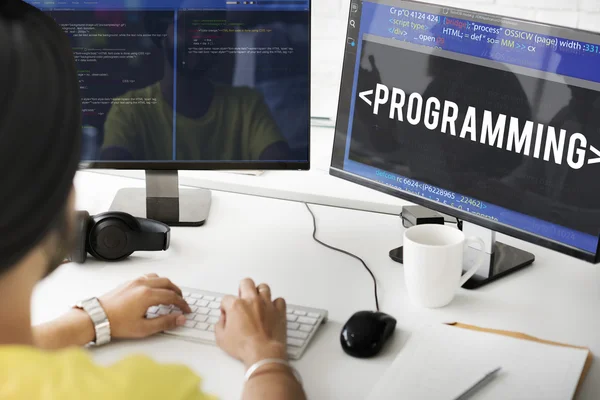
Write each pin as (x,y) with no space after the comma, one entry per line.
(170,85)
(493,120)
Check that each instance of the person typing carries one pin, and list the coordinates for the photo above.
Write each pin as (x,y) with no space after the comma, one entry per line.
(39,157)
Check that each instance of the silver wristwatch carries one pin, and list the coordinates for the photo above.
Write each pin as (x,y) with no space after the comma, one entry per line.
(101,324)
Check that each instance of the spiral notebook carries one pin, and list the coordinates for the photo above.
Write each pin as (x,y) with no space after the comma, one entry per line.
(441,362)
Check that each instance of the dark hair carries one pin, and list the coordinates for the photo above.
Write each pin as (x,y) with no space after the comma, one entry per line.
(40,127)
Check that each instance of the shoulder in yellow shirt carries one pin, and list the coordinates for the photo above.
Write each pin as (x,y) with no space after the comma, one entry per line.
(28,373)
(238,126)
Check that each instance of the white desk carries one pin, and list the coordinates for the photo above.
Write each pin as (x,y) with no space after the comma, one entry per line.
(270,240)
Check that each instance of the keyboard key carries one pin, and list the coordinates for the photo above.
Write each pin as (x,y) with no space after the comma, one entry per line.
(202,310)
(201,303)
(293,326)
(175,309)
(162,310)
(294,352)
(291,318)
(290,311)
(194,308)
(190,324)
(215,313)
(211,328)
(297,334)
(152,316)
(191,301)
(306,328)
(214,305)
(219,299)
(196,295)
(152,310)
(201,326)
(295,342)
(185,294)
(298,312)
(307,320)
(211,298)
(212,320)
(200,318)
(313,315)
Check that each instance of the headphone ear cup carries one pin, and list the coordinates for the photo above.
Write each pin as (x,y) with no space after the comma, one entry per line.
(79,251)
(109,238)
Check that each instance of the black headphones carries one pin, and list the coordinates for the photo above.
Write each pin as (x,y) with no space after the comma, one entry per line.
(114,236)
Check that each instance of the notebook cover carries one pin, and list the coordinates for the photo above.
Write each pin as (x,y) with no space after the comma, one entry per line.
(588,362)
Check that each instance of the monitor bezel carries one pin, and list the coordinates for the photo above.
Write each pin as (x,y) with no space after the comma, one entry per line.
(467,217)
(214,165)
(337,162)
(199,165)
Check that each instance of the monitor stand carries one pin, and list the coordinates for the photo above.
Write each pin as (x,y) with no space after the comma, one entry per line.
(501,259)
(163,201)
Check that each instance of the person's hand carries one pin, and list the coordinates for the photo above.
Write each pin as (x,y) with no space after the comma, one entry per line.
(126,307)
(252,327)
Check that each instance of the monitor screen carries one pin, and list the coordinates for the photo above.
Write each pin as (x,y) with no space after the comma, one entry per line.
(191,81)
(493,119)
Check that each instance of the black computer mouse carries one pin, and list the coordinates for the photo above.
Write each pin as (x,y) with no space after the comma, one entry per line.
(366,332)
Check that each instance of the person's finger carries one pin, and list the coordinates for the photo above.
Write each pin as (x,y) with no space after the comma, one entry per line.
(149,276)
(264,291)
(163,323)
(167,297)
(220,329)
(280,305)
(248,289)
(227,303)
(162,283)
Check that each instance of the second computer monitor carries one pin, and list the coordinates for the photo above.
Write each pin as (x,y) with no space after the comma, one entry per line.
(490,119)
(169,85)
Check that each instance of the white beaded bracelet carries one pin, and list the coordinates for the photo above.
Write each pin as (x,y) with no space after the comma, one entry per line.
(266,361)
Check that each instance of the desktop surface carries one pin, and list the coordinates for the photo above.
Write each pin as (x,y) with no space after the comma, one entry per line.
(557,299)
(490,119)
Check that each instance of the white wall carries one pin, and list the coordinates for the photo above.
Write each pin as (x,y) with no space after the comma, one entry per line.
(329,30)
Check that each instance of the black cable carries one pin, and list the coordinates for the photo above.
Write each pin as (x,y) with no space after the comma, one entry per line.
(343,252)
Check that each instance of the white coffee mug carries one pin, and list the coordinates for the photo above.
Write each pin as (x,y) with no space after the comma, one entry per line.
(433,263)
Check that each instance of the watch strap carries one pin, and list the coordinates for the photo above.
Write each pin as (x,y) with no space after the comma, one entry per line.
(100,320)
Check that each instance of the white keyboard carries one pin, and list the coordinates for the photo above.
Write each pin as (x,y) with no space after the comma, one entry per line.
(302,322)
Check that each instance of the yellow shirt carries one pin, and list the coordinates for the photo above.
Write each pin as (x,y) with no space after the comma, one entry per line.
(30,374)
(238,126)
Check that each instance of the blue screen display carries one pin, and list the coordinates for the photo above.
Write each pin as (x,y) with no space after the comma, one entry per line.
(396,46)
(506,44)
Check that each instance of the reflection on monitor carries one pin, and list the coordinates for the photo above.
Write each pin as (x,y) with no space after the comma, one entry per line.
(493,120)
(191,81)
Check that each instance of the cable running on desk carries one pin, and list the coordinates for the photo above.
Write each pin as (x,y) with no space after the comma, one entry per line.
(343,252)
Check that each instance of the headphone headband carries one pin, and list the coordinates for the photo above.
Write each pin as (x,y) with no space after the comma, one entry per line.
(153,236)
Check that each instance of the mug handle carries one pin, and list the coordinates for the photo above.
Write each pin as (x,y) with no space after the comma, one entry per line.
(480,259)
